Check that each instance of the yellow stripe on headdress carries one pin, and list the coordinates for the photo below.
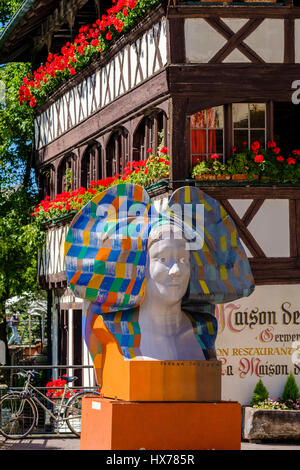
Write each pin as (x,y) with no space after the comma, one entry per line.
(233,239)
(187,194)
(197,258)
(131,353)
(86,238)
(223,272)
(120,270)
(95,281)
(207,206)
(223,243)
(67,247)
(118,317)
(204,287)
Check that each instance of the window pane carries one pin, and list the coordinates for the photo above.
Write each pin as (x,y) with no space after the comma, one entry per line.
(240,140)
(198,141)
(215,117)
(198,120)
(240,115)
(215,141)
(258,135)
(257,116)
(198,158)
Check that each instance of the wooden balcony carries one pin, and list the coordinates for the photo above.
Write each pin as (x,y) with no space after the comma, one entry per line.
(134,59)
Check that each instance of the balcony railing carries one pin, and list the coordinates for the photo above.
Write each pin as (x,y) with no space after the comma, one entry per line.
(131,65)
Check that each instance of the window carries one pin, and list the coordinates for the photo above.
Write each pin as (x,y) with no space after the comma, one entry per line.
(67,174)
(117,152)
(207,133)
(46,182)
(218,129)
(249,124)
(91,168)
(149,134)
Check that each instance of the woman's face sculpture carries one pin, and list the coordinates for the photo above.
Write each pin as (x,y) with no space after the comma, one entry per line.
(168,270)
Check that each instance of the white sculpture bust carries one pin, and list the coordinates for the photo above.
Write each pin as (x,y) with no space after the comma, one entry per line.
(166,331)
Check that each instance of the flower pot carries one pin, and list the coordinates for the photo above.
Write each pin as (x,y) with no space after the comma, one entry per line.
(223,177)
(263,424)
(205,177)
(239,177)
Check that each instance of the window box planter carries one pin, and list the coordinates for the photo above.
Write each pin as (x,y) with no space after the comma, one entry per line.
(261,424)
(205,177)
(223,177)
(239,177)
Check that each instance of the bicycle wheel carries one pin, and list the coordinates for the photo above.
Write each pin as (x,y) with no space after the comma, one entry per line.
(73,410)
(17,416)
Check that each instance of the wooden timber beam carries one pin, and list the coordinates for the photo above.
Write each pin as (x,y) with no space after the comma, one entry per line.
(65,13)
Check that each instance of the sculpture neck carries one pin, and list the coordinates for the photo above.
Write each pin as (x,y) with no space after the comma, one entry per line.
(161,318)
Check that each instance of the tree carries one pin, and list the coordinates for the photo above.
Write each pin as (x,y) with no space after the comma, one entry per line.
(290,392)
(7,9)
(19,236)
(260,393)
(19,241)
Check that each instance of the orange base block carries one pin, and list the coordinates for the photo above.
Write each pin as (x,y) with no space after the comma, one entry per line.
(119,425)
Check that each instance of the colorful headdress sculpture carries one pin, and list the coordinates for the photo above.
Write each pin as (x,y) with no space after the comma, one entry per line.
(106,247)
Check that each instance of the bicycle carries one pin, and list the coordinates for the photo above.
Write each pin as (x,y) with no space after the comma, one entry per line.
(19,411)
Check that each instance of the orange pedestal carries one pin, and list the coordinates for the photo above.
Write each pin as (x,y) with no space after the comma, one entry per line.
(119,425)
(162,380)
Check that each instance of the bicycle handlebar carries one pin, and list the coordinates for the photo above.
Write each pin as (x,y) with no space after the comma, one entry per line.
(27,373)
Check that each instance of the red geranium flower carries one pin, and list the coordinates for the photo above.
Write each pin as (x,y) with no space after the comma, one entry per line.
(291,161)
(259,159)
(255,146)
(280,158)
(164,150)
(32,102)
(215,156)
(149,150)
(271,144)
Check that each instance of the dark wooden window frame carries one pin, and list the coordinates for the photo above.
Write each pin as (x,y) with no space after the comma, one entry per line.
(117,151)
(91,164)
(228,126)
(68,161)
(148,130)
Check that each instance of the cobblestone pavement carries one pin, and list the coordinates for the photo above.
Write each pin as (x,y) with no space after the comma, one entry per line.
(72,443)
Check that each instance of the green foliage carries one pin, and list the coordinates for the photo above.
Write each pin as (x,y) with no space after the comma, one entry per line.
(7,9)
(16,129)
(19,241)
(290,392)
(260,393)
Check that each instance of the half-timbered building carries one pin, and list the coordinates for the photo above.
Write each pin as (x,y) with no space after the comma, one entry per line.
(201,76)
